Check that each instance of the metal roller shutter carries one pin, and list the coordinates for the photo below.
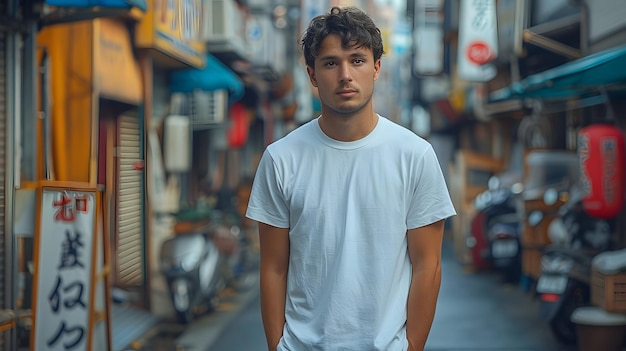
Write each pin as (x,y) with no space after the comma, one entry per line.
(130,203)
(3,106)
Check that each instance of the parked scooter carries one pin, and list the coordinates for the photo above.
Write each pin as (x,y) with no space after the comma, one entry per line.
(495,232)
(564,283)
(200,262)
(191,266)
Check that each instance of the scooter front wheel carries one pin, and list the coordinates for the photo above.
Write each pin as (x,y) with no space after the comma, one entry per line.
(181,298)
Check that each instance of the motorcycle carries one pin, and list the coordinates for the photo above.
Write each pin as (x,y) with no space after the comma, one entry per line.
(564,282)
(495,232)
(191,265)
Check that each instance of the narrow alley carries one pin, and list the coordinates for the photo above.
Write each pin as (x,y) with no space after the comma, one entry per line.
(476,311)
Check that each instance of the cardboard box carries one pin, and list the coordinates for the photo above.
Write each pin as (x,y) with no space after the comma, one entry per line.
(609,291)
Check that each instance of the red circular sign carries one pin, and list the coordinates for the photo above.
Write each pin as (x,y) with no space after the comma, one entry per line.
(479,53)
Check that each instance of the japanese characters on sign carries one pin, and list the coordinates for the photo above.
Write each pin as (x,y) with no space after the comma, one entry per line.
(64,270)
(478,42)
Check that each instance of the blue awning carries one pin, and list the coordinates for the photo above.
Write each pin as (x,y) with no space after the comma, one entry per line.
(581,77)
(214,76)
(141,4)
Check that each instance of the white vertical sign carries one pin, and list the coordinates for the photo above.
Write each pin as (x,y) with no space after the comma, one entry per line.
(64,270)
(478,40)
(428,36)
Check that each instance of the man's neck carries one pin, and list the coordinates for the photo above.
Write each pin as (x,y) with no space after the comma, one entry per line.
(348,127)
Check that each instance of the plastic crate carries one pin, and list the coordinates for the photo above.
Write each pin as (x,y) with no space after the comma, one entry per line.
(609,291)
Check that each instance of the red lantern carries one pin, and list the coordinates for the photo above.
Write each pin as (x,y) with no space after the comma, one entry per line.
(601,152)
(238,130)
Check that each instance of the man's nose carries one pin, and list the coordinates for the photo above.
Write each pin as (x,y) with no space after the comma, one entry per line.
(345,73)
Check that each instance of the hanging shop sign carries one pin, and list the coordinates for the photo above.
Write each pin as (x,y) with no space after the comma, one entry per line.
(478,40)
(601,152)
(428,37)
(512,18)
(172,29)
(65,310)
(117,72)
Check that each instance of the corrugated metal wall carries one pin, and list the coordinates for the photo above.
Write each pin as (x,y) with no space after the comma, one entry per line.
(130,203)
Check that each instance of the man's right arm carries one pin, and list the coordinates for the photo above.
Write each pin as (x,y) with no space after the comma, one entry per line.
(274,266)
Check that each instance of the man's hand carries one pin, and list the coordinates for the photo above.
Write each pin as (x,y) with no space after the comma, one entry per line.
(425,254)
(274,243)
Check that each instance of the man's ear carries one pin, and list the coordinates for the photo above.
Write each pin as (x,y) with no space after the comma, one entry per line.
(311,72)
(377,68)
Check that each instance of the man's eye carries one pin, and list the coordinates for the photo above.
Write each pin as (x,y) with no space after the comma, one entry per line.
(358,61)
(329,64)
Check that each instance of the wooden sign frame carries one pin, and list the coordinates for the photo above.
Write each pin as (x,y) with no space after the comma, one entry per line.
(69,218)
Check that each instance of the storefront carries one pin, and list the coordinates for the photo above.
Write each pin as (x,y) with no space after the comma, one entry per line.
(89,84)
(120,151)
(567,99)
(167,40)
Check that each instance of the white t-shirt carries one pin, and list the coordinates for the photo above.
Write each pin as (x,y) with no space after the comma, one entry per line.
(348,206)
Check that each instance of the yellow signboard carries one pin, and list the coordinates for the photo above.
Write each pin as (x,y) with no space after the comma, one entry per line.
(117,75)
(172,28)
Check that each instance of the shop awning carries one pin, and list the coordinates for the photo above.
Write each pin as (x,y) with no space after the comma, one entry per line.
(214,76)
(141,4)
(580,77)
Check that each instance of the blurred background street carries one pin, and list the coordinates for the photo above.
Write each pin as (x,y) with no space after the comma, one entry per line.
(131,130)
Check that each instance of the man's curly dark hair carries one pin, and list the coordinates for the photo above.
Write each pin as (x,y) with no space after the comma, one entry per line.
(356,29)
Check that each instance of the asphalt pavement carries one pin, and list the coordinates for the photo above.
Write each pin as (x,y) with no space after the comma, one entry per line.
(476,311)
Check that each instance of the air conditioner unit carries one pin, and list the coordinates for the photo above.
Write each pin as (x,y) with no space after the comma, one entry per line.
(223,29)
(266,46)
(259,32)
(208,108)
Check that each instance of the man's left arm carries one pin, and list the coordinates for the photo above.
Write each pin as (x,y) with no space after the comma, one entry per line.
(424,245)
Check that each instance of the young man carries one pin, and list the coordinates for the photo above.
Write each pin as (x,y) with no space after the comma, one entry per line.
(351,209)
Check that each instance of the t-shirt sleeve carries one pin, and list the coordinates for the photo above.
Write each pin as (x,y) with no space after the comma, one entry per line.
(430,200)
(267,203)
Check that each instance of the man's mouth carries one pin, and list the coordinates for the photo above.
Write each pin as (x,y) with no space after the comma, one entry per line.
(346,92)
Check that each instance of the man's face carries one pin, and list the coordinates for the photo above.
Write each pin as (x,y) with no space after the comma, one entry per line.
(344,77)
